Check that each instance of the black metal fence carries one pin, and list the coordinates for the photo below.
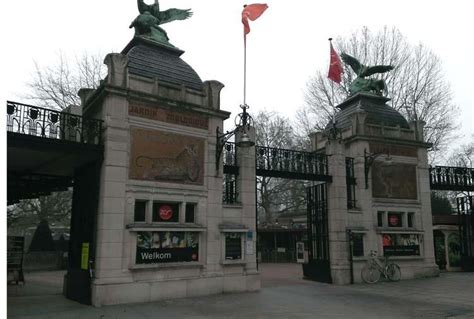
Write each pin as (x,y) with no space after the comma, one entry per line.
(47,123)
(284,163)
(465,207)
(452,178)
(231,170)
(230,195)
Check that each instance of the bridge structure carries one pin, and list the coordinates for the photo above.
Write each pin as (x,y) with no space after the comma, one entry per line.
(45,147)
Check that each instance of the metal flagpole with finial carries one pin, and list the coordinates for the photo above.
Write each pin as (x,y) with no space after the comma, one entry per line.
(250,12)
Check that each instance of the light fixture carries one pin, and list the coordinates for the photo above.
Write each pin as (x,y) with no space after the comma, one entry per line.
(243,123)
(369,159)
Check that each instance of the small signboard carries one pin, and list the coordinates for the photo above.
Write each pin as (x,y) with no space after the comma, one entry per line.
(85,256)
(412,250)
(249,248)
(300,252)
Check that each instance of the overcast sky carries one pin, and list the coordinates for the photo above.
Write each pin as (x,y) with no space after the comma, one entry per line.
(287,44)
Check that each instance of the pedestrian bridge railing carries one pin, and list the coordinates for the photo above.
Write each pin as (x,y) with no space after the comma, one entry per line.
(53,124)
(452,178)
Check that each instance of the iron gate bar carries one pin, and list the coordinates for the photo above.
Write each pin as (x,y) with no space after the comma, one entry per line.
(465,206)
(452,178)
(318,266)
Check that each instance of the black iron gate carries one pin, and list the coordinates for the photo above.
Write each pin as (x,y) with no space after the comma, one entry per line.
(318,266)
(466,231)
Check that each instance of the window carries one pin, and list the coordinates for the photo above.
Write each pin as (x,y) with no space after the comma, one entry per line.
(411,220)
(394,219)
(233,246)
(357,244)
(189,218)
(165,212)
(140,211)
(380,218)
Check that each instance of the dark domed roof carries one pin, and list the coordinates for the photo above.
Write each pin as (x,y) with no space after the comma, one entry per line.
(152,60)
(377,111)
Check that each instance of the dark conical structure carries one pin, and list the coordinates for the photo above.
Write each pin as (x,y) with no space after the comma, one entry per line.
(42,239)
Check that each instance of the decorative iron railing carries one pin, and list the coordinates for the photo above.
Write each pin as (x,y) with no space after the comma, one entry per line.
(47,123)
(465,205)
(452,178)
(350,183)
(230,194)
(286,163)
(231,170)
(229,158)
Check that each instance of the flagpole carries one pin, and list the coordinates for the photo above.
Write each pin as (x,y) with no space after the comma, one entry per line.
(245,69)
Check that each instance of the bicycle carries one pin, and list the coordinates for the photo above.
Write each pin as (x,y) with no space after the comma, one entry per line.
(374,268)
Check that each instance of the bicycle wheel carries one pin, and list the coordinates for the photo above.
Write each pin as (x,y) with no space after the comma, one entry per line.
(370,274)
(393,272)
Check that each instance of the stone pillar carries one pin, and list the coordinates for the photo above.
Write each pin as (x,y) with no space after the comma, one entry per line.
(426,216)
(112,197)
(246,182)
(337,213)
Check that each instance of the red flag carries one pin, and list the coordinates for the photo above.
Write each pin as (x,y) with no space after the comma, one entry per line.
(252,12)
(335,67)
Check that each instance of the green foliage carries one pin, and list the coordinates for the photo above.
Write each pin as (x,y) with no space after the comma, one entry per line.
(440,204)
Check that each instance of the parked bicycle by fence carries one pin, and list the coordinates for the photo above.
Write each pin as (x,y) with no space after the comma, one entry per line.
(374,268)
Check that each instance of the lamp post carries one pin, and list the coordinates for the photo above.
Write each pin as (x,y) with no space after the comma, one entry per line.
(369,159)
(243,122)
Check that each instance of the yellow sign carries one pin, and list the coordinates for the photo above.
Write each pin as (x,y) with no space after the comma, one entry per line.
(85,256)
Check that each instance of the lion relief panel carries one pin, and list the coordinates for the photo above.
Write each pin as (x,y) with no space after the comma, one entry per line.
(394,181)
(167,157)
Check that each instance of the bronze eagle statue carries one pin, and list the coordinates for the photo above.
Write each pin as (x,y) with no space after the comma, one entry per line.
(148,23)
(361,84)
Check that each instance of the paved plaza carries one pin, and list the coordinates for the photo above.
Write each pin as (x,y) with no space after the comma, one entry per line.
(283,295)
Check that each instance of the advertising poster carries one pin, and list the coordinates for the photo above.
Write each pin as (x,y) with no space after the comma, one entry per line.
(401,244)
(165,247)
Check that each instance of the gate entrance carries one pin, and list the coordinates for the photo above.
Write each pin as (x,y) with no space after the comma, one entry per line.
(51,151)
(318,266)
(295,165)
(460,179)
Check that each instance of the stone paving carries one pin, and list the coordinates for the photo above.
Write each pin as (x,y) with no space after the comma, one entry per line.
(284,295)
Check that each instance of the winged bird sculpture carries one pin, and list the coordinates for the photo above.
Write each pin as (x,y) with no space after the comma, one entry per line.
(361,84)
(147,24)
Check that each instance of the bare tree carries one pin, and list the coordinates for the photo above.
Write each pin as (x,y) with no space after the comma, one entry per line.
(57,85)
(416,86)
(463,156)
(276,196)
(54,208)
